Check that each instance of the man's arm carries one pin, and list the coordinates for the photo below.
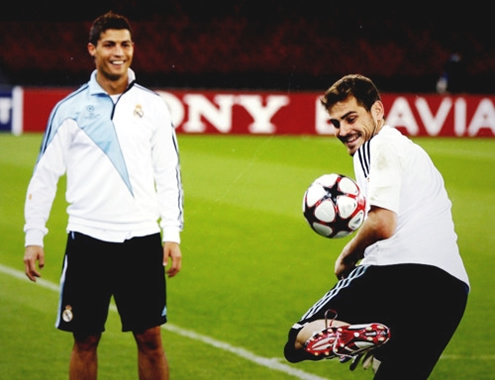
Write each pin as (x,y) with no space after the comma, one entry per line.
(380,224)
(41,192)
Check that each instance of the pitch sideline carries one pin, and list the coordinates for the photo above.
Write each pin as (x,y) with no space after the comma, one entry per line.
(271,363)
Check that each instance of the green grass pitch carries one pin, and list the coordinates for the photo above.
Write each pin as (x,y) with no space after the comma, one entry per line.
(251,265)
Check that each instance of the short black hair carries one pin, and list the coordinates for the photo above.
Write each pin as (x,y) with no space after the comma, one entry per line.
(356,85)
(109,20)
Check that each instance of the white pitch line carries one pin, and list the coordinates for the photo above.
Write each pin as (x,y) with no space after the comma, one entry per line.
(271,363)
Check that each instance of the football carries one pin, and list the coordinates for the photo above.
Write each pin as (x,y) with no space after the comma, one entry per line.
(334,206)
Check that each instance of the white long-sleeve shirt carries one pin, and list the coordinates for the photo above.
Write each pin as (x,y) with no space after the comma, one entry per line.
(121,160)
(398,175)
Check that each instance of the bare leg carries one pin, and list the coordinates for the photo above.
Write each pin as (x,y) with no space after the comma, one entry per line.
(152,362)
(84,360)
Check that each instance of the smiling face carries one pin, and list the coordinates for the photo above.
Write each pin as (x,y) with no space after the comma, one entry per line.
(354,125)
(113,55)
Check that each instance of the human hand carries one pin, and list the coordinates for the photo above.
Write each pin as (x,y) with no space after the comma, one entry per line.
(172,250)
(33,254)
(343,266)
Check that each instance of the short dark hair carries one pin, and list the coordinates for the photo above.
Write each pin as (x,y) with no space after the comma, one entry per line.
(107,21)
(356,85)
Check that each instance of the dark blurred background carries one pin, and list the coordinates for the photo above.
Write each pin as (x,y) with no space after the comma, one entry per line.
(271,44)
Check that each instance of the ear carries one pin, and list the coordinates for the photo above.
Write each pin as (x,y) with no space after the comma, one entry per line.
(378,110)
(91,49)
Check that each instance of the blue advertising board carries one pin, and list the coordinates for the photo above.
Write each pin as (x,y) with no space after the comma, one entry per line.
(6,110)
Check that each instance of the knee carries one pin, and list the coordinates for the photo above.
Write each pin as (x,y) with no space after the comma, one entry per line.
(291,354)
(149,340)
(85,342)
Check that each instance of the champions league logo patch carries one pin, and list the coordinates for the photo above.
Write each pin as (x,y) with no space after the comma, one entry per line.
(67,314)
(90,112)
(138,111)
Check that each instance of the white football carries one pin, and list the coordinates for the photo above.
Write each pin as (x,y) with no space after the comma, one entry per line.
(334,206)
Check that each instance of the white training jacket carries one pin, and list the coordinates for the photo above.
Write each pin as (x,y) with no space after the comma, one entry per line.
(122,165)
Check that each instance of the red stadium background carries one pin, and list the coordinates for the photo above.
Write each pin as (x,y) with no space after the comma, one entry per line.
(254,112)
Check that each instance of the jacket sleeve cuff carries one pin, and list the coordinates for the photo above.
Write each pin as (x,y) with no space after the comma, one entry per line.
(34,237)
(172,236)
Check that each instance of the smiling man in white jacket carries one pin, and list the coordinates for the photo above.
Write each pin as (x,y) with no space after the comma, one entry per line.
(115,142)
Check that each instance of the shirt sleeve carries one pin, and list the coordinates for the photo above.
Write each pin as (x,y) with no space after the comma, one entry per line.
(385,177)
(42,187)
(168,178)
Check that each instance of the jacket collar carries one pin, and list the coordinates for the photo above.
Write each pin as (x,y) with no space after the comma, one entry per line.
(96,89)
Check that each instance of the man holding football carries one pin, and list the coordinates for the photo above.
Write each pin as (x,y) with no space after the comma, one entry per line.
(402,287)
(115,142)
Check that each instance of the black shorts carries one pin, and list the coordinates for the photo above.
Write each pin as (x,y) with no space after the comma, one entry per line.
(421,304)
(94,271)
